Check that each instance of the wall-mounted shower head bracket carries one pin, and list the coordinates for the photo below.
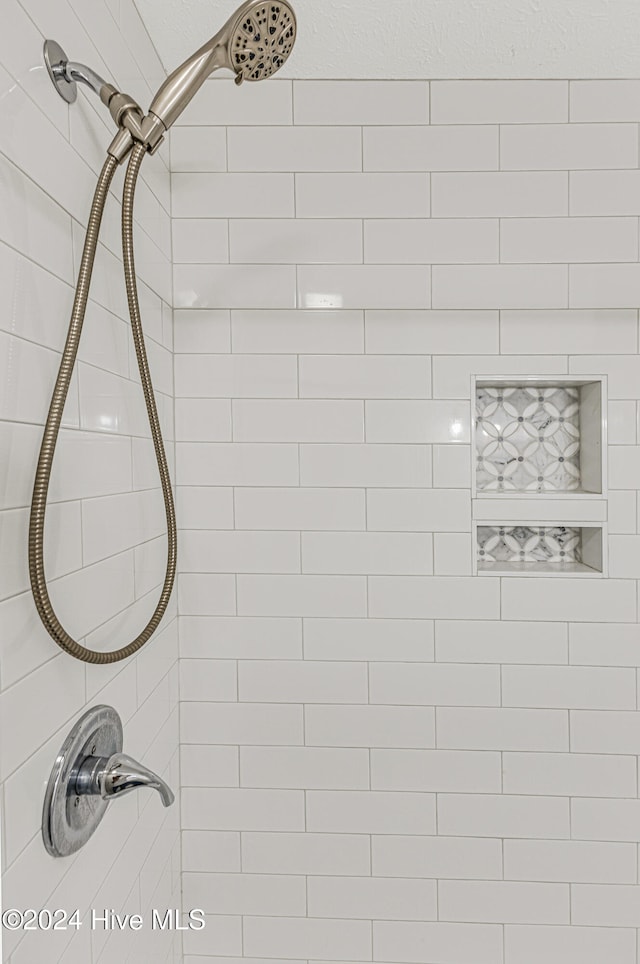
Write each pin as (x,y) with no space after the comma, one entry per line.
(126,112)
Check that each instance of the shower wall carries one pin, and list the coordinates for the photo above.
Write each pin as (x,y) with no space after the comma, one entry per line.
(385,756)
(105,542)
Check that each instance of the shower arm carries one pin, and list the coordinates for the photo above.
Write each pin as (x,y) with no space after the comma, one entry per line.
(82,74)
(133,125)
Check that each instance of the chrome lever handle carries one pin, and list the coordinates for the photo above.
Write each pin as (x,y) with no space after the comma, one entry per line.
(115,776)
(124,774)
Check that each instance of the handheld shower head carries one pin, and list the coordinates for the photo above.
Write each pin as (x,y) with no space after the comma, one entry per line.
(254,43)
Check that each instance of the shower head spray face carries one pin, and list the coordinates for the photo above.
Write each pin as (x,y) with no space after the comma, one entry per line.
(262,39)
(254,43)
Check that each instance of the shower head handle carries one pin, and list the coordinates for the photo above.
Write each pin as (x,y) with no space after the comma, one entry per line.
(254,43)
(186,80)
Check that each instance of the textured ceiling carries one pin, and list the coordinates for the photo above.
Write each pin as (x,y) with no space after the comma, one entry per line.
(428,38)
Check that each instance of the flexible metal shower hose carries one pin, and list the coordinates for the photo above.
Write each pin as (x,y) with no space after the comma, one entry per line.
(52,427)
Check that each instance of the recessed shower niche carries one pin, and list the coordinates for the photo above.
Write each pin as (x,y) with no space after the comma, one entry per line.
(540,549)
(539,475)
(539,436)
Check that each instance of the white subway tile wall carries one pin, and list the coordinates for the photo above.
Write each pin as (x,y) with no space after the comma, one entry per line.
(370,733)
(383,757)
(106,509)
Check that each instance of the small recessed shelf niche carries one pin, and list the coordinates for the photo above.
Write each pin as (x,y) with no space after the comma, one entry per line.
(538,436)
(539,549)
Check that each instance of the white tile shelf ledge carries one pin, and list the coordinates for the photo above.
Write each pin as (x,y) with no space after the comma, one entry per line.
(539,437)
(539,549)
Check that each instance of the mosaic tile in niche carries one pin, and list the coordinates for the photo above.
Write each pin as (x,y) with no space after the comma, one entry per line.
(527,439)
(557,544)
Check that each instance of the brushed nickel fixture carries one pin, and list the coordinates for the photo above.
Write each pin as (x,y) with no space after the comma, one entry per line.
(254,43)
(90,771)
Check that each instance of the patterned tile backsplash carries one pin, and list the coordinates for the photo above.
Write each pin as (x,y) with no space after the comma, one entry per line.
(555,544)
(527,439)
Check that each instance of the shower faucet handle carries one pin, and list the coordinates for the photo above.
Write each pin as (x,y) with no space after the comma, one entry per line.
(124,774)
(89,771)
(115,776)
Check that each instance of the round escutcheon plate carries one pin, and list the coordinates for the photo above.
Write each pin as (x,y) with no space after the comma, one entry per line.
(69,819)
(56,60)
